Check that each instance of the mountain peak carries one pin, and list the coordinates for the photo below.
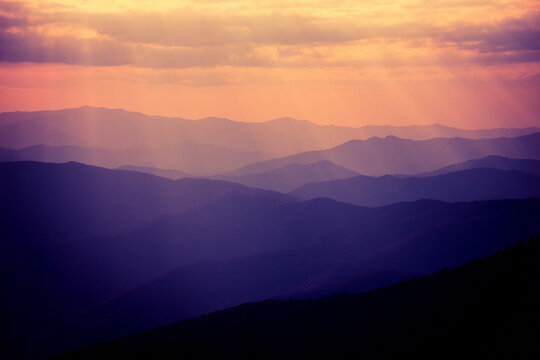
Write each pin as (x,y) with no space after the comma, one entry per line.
(287,120)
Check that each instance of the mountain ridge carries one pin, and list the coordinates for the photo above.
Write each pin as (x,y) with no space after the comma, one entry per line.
(188,158)
(427,235)
(23,113)
(292,176)
(492,161)
(452,310)
(81,240)
(463,185)
(394,155)
(118,128)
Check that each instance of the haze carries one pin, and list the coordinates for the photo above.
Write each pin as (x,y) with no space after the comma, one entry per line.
(468,64)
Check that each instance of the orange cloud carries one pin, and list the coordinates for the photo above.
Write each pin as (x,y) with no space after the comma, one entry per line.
(199,37)
(330,61)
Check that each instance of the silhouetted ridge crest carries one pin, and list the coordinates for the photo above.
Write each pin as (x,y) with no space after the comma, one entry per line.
(167,142)
(485,307)
(463,185)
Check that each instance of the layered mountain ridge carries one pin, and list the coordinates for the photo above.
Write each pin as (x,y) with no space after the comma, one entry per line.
(113,222)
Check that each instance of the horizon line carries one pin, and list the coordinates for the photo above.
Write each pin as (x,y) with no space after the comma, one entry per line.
(260,122)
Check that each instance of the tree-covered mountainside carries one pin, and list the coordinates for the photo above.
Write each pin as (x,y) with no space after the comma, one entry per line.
(92,254)
(487,308)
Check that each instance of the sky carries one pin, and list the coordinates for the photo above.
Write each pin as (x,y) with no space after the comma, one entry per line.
(463,63)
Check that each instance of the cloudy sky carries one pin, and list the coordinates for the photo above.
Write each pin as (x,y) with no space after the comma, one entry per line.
(466,63)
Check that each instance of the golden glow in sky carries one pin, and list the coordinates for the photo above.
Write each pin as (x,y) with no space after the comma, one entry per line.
(466,63)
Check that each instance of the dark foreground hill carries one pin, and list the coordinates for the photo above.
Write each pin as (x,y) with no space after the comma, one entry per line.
(165,250)
(258,251)
(487,308)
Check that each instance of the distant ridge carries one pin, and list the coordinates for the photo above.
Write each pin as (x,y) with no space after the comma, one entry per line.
(117,128)
(495,162)
(114,222)
(86,200)
(8,117)
(464,185)
(292,176)
(166,173)
(392,155)
(184,157)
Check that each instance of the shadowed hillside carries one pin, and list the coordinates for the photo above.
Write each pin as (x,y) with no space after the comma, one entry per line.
(464,185)
(73,200)
(166,173)
(392,155)
(494,162)
(193,158)
(485,308)
(420,238)
(90,253)
(177,266)
(292,176)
